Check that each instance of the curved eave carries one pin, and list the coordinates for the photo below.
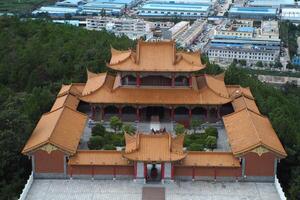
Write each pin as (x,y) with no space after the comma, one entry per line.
(133,157)
(117,67)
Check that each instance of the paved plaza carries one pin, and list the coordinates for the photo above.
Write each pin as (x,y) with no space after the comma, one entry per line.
(129,190)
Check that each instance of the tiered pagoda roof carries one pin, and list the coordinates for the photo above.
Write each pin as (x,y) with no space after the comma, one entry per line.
(155,57)
(105,88)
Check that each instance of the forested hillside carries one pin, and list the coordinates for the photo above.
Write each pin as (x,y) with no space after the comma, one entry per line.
(36,57)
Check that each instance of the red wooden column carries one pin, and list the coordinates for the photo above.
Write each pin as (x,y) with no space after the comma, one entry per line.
(93,171)
(114,173)
(207,113)
(93,112)
(193,174)
(145,171)
(135,169)
(173,79)
(190,115)
(172,171)
(138,79)
(218,112)
(102,112)
(120,112)
(172,113)
(71,171)
(215,172)
(162,171)
(138,113)
(190,80)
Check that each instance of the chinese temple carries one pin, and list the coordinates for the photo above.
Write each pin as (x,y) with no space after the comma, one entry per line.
(154,84)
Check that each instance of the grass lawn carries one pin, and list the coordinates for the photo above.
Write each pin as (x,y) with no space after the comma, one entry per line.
(21,6)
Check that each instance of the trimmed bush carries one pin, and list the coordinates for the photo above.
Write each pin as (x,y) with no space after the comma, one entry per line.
(196,147)
(179,129)
(99,129)
(196,124)
(211,131)
(109,147)
(128,128)
(211,142)
(95,143)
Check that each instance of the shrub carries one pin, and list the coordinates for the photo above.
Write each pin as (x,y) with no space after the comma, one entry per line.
(179,129)
(196,147)
(117,140)
(109,147)
(211,142)
(96,142)
(99,130)
(115,123)
(211,131)
(196,124)
(128,128)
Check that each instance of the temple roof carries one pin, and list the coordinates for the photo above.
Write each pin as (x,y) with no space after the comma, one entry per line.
(154,147)
(155,57)
(205,90)
(98,157)
(210,159)
(61,128)
(66,100)
(248,130)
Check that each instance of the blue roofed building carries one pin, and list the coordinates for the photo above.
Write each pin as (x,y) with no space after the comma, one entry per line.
(97,7)
(70,3)
(188,9)
(56,11)
(252,12)
(271,3)
(240,40)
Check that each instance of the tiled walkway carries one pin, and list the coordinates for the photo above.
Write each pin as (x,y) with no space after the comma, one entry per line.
(128,190)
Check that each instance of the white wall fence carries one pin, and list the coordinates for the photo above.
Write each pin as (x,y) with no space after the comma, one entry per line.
(279,189)
(27,187)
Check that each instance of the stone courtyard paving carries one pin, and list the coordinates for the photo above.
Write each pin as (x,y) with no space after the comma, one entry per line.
(128,190)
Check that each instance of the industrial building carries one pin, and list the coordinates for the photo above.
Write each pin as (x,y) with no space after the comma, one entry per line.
(97,8)
(56,11)
(252,13)
(132,28)
(184,9)
(271,3)
(191,34)
(176,30)
(70,3)
(251,44)
(290,14)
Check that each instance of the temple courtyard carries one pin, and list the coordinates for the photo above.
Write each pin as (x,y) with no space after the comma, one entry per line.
(56,189)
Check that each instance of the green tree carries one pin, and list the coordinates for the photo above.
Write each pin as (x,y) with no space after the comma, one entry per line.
(98,129)
(211,142)
(211,131)
(196,147)
(196,124)
(95,142)
(179,129)
(129,129)
(115,123)
(259,64)
(243,62)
